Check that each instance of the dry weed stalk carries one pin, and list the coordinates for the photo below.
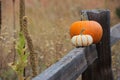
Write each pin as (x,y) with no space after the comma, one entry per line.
(22,12)
(14,34)
(33,55)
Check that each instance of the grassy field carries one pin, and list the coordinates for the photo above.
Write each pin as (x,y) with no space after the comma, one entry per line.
(49,22)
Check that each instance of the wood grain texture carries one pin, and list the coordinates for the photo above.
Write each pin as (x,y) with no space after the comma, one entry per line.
(101,69)
(69,67)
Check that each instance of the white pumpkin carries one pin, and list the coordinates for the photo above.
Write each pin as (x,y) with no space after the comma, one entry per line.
(82,40)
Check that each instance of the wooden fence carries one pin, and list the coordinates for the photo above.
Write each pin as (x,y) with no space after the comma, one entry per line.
(93,62)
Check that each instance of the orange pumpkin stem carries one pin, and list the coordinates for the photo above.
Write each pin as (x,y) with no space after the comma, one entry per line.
(82,31)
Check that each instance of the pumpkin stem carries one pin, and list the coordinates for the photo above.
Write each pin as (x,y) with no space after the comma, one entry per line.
(82,31)
(84,16)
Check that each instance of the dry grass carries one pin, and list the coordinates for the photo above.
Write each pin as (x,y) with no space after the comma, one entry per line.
(49,22)
(116,60)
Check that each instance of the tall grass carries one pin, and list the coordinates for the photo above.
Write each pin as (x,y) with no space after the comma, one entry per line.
(33,55)
(49,23)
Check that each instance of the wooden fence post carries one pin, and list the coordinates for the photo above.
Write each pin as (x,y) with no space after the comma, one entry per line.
(101,69)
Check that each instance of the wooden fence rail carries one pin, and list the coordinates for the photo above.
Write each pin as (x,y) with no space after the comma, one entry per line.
(81,61)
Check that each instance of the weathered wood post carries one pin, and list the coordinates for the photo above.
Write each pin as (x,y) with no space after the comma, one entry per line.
(101,69)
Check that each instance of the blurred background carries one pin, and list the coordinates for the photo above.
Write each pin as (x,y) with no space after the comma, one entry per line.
(49,23)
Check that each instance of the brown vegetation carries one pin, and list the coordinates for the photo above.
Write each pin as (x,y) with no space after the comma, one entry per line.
(49,22)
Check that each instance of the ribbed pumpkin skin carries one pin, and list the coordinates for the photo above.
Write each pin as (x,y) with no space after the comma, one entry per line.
(92,28)
(82,40)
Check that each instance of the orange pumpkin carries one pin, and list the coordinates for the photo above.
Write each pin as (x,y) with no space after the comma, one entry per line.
(92,28)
